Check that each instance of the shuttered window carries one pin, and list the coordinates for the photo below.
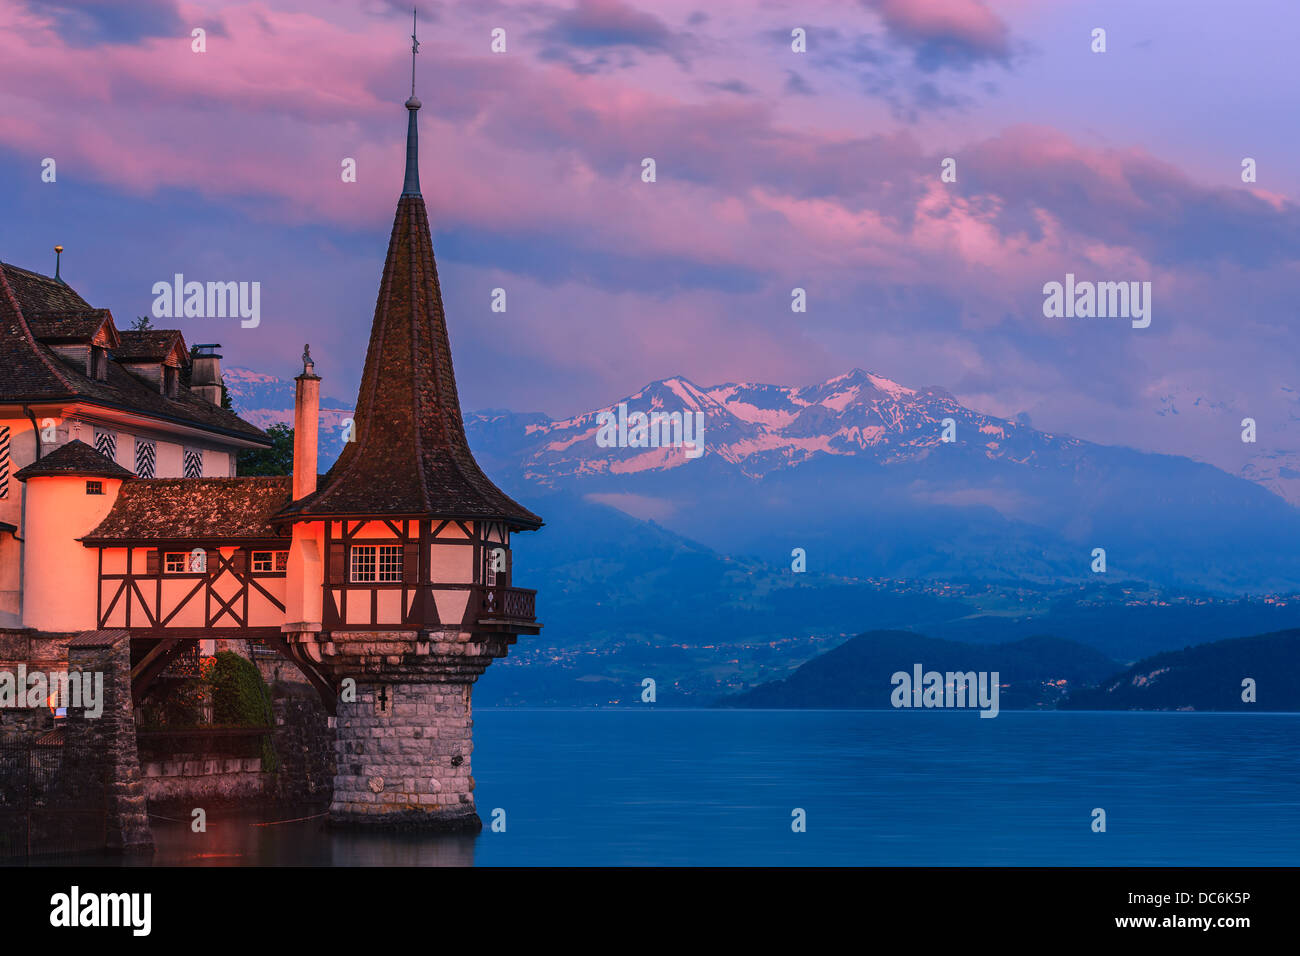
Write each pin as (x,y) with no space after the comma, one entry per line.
(106,443)
(146,458)
(4,461)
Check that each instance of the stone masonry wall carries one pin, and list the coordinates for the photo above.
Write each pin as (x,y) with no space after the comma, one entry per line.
(112,735)
(304,744)
(406,763)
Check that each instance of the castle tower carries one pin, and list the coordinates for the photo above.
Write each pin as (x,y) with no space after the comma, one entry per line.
(409,543)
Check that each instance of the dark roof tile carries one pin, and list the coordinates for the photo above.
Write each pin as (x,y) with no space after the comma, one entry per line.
(152,345)
(410,455)
(74,458)
(30,371)
(77,325)
(194,509)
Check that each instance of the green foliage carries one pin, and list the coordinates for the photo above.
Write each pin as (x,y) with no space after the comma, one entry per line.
(276,460)
(238,693)
(240,699)
(142,324)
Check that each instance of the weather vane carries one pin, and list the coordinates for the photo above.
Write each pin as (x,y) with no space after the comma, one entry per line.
(415,48)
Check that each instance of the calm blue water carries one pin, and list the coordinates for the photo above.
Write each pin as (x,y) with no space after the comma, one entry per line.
(660,787)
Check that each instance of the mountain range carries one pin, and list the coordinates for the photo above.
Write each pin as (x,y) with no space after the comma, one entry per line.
(855,472)
(654,563)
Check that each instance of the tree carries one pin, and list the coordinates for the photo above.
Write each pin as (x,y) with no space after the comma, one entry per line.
(276,460)
(142,324)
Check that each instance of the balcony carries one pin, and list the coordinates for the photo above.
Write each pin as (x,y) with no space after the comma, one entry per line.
(512,607)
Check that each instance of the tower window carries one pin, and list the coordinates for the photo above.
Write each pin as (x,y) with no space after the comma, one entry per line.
(94,487)
(380,564)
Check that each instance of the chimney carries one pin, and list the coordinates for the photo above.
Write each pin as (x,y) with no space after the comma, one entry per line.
(306,416)
(205,373)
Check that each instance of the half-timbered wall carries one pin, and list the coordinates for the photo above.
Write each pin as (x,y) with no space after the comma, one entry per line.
(136,590)
(443,569)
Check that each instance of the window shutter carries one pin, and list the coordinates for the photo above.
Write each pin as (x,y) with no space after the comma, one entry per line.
(4,461)
(411,562)
(337,564)
(239,561)
(151,561)
(214,560)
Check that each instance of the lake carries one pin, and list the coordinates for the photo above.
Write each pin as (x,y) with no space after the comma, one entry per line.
(902,788)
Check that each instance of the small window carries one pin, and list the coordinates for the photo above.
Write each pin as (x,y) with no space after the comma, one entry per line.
(183,562)
(380,564)
(94,487)
(268,562)
(171,381)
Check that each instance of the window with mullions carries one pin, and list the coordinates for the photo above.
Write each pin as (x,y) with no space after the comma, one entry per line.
(268,562)
(376,564)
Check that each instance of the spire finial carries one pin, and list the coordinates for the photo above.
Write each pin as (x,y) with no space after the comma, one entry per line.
(58,255)
(415,48)
(412,185)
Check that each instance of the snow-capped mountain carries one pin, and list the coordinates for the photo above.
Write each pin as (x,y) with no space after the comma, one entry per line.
(764,428)
(856,470)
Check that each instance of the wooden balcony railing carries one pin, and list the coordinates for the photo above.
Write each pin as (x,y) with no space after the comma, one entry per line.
(508,604)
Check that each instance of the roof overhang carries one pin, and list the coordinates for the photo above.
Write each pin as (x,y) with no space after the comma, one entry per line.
(109,414)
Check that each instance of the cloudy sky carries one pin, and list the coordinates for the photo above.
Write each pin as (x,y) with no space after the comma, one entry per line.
(775,170)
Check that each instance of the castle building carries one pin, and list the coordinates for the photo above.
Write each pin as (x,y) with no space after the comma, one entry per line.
(388,580)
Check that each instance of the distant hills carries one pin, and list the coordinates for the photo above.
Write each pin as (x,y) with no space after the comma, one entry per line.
(1205,677)
(1033,672)
(1046,672)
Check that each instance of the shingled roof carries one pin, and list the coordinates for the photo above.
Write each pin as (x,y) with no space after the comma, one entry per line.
(410,455)
(194,510)
(74,458)
(32,372)
(152,345)
(75,325)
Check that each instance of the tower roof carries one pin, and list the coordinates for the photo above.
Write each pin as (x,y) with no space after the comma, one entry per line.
(76,458)
(409,455)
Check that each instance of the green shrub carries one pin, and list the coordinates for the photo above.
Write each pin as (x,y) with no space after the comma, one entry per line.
(240,698)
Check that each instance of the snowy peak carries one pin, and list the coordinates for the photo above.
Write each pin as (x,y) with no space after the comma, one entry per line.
(760,428)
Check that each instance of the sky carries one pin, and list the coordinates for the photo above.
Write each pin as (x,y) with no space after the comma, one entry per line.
(775,170)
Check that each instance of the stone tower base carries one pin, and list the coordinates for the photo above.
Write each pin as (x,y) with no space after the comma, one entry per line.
(404,758)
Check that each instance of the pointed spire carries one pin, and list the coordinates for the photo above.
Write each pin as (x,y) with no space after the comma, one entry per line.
(412,185)
(408,455)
